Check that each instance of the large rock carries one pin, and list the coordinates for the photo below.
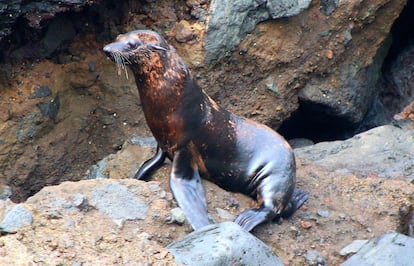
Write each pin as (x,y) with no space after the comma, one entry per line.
(89,222)
(15,219)
(384,250)
(44,136)
(385,151)
(349,90)
(115,201)
(317,59)
(222,244)
(355,86)
(231,20)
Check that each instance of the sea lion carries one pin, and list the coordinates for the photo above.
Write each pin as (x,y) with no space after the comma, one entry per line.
(204,140)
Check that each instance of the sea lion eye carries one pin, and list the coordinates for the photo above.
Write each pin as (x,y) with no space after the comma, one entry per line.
(132,45)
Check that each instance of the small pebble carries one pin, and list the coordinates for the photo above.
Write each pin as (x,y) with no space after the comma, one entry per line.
(306,224)
(91,66)
(352,248)
(225,215)
(177,216)
(323,213)
(162,194)
(342,216)
(80,202)
(314,258)
(308,216)
(146,235)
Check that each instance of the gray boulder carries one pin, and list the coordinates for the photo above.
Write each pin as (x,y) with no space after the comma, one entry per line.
(15,219)
(385,250)
(115,201)
(385,151)
(222,244)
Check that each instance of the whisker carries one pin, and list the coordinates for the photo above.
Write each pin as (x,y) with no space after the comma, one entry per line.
(124,59)
(120,64)
(120,60)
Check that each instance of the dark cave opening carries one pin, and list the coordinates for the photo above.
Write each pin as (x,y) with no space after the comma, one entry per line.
(312,121)
(402,33)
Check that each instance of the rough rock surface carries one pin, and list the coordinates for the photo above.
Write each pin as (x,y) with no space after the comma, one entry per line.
(75,222)
(230,21)
(116,202)
(385,151)
(222,244)
(384,250)
(86,115)
(35,12)
(70,225)
(321,62)
(353,83)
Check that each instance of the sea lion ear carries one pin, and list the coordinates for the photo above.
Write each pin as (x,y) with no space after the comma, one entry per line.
(156,47)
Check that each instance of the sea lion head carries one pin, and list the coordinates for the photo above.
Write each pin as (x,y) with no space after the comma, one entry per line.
(137,49)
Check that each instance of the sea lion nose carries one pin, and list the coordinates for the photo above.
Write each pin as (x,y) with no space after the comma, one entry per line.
(107,50)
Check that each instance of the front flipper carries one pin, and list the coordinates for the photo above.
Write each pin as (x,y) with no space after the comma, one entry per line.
(151,165)
(185,182)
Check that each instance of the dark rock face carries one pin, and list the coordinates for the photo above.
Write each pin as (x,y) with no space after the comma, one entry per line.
(395,85)
(358,94)
(34,12)
(36,29)
(9,12)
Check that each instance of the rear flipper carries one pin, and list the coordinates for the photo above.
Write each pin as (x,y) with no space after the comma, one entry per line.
(185,182)
(151,165)
(299,197)
(250,218)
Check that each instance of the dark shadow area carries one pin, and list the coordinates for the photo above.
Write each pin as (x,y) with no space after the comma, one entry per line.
(313,121)
(402,33)
(53,36)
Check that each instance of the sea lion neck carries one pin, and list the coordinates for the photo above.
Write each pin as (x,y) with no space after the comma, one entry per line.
(159,71)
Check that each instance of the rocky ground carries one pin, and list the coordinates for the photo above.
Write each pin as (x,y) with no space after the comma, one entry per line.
(78,222)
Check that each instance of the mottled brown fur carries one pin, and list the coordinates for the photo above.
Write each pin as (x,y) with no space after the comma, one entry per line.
(203,139)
